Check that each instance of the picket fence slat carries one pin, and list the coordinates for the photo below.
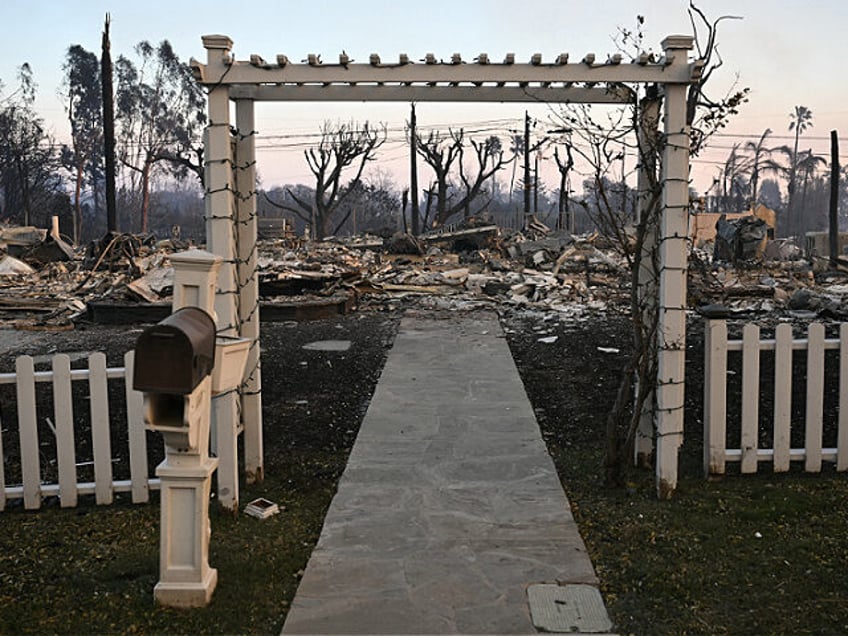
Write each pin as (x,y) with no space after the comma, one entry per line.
(136,434)
(715,396)
(815,398)
(2,468)
(99,403)
(842,435)
(63,412)
(28,432)
(782,397)
(813,454)
(750,387)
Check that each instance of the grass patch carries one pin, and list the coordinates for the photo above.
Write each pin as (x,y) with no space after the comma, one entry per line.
(743,555)
(92,569)
(759,554)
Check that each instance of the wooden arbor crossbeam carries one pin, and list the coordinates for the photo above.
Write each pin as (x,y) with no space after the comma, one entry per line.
(432,80)
(424,93)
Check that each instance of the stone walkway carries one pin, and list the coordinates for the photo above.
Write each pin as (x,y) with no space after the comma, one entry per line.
(450,507)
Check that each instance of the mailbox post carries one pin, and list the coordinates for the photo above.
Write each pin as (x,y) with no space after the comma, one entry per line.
(173,368)
(180,363)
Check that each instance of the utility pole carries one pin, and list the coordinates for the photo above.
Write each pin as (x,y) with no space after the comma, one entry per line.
(526,165)
(536,184)
(413,171)
(834,199)
(108,128)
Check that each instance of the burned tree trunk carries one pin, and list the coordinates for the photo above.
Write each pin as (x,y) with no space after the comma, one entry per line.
(108,128)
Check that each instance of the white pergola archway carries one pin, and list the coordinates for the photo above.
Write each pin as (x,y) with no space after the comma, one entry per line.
(231,189)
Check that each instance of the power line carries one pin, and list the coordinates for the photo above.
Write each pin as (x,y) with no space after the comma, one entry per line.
(758,135)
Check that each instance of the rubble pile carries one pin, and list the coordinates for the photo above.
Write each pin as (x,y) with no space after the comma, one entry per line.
(43,286)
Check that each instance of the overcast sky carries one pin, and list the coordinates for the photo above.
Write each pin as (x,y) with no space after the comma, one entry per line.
(789,52)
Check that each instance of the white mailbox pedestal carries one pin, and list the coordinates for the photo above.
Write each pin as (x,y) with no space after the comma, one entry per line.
(185,578)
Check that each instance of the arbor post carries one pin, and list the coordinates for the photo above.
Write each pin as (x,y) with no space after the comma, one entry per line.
(248,284)
(671,329)
(649,115)
(220,205)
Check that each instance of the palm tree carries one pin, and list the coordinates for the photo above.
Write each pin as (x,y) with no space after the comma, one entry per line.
(733,180)
(516,147)
(492,148)
(808,165)
(760,151)
(799,120)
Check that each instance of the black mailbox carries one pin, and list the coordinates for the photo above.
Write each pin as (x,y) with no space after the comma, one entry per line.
(174,355)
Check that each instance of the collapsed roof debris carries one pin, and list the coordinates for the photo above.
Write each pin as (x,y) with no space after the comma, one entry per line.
(482,265)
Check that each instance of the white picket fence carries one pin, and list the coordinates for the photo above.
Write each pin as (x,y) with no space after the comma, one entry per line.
(32,488)
(717,346)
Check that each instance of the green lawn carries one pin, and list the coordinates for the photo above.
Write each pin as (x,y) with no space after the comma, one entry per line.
(763,554)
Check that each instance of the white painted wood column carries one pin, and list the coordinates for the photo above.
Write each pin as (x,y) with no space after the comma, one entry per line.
(649,115)
(220,230)
(248,299)
(674,226)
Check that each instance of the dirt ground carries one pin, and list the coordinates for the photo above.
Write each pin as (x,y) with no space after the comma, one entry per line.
(655,559)
(308,413)
(303,399)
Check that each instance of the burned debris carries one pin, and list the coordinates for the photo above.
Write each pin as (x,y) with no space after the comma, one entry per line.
(45,284)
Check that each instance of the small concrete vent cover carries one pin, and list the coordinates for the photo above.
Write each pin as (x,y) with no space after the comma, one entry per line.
(328,345)
(568,609)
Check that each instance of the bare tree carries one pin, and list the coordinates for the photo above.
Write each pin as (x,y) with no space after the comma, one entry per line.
(704,114)
(600,148)
(108,97)
(28,157)
(565,218)
(83,106)
(341,147)
(160,112)
(446,154)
